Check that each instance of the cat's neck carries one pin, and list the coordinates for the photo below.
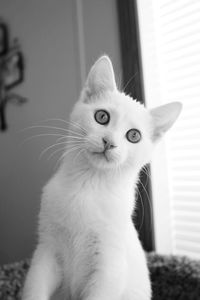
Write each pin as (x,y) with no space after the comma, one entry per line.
(112,191)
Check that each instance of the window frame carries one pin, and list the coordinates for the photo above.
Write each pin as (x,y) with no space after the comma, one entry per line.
(134,86)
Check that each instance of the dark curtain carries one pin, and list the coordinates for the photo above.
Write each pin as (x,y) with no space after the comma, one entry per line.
(133,85)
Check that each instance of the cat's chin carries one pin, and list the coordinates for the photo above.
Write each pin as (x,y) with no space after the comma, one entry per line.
(101,160)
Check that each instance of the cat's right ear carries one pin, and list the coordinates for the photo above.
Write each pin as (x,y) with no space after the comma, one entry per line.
(163,118)
(101,79)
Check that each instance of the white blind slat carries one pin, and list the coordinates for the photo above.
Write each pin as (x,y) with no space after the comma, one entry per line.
(188,246)
(187,227)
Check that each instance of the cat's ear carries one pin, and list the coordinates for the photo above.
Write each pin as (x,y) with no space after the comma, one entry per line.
(101,77)
(164,117)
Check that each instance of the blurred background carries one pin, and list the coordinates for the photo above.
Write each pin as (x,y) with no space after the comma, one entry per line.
(155,49)
(60,40)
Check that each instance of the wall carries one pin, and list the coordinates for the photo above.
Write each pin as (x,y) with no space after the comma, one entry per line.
(60,40)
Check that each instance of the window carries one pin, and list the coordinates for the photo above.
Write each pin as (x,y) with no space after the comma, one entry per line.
(170,44)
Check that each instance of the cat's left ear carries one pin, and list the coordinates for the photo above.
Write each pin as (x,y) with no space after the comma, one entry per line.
(101,77)
(164,117)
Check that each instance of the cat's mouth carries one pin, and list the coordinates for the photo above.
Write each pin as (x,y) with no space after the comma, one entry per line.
(101,158)
(102,154)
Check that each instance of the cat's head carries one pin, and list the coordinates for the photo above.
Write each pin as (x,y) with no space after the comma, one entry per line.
(113,129)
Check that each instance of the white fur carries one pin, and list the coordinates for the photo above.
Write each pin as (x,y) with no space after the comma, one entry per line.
(88,247)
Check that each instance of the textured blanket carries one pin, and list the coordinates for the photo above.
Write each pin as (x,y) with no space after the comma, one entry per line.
(173,278)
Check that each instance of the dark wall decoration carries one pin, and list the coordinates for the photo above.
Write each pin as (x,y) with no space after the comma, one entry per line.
(11,72)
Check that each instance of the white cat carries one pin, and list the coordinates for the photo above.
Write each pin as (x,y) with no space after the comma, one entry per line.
(88,246)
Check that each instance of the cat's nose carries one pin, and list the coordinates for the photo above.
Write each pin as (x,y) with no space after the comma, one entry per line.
(108,144)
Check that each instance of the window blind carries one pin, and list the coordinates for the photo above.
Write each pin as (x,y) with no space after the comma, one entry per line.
(170,45)
(177,36)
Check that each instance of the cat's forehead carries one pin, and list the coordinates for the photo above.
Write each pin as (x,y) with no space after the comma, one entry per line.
(123,107)
(127,104)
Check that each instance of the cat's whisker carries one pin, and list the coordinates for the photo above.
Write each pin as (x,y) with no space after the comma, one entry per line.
(52,146)
(71,149)
(77,155)
(82,138)
(77,125)
(56,151)
(147,178)
(62,157)
(149,201)
(119,81)
(142,205)
(50,127)
(146,171)
(145,191)
(70,136)
(82,133)
(40,135)
(75,133)
(85,138)
(56,119)
(79,174)
(129,81)
(72,123)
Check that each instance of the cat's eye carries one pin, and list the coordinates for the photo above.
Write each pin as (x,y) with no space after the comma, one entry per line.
(102,117)
(133,135)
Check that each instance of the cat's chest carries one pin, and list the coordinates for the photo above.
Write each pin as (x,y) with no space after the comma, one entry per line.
(95,203)
(75,205)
